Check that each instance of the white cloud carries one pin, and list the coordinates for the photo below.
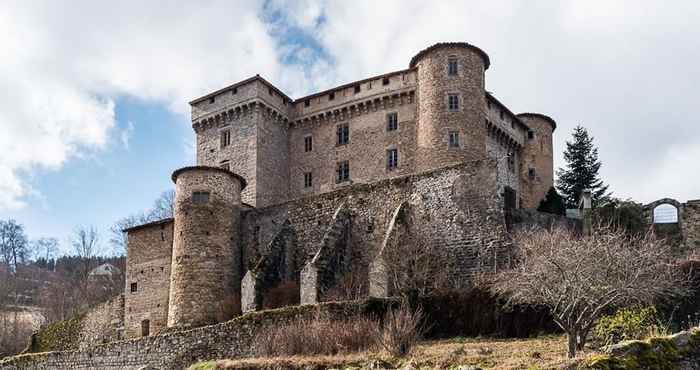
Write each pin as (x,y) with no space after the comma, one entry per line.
(64,64)
(126,134)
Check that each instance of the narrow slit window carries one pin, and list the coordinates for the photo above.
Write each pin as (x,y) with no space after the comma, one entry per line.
(308,143)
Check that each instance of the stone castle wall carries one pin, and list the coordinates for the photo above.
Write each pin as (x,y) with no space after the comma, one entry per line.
(205,269)
(179,349)
(148,262)
(538,156)
(103,324)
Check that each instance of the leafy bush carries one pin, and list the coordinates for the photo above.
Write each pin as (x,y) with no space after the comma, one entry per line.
(637,322)
(319,335)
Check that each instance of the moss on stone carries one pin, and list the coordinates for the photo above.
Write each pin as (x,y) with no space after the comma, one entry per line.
(59,336)
(656,353)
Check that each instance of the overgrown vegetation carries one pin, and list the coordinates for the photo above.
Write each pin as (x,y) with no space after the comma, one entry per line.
(636,322)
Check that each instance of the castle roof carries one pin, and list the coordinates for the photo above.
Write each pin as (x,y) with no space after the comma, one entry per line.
(504,107)
(241,83)
(540,116)
(439,45)
(209,168)
(148,224)
(350,84)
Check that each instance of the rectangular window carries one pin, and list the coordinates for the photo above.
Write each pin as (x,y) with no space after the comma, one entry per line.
(357,89)
(134,288)
(343,171)
(200,197)
(530,134)
(235,90)
(331,96)
(308,179)
(308,143)
(269,91)
(212,100)
(531,173)
(452,67)
(307,102)
(454,139)
(501,114)
(385,81)
(343,132)
(511,162)
(392,121)
(225,165)
(452,102)
(392,159)
(225,138)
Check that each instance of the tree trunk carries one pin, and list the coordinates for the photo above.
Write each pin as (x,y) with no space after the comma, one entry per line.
(571,338)
(582,336)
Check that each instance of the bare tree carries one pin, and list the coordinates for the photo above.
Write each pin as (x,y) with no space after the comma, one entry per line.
(163,207)
(45,248)
(13,244)
(579,277)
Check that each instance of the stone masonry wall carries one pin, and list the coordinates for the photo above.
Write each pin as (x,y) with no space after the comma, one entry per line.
(537,155)
(691,225)
(148,261)
(179,349)
(103,324)
(206,250)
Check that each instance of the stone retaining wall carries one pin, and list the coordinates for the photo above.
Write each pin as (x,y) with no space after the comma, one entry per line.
(177,350)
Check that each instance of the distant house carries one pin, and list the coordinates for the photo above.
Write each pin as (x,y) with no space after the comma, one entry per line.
(105,270)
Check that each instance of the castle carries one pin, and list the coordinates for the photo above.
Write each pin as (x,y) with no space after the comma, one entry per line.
(308,190)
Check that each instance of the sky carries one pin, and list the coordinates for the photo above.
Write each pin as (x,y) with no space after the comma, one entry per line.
(94,113)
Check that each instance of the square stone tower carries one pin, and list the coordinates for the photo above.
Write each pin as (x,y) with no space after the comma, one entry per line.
(243,128)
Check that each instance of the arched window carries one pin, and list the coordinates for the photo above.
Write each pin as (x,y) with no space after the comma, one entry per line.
(665,214)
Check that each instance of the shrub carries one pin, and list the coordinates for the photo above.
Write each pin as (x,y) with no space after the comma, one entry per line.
(319,335)
(636,322)
(402,328)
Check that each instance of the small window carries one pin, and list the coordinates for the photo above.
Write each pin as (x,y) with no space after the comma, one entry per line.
(357,89)
(530,134)
(501,114)
(454,139)
(488,103)
(212,100)
(200,197)
(225,165)
(343,133)
(511,162)
(308,143)
(452,67)
(234,91)
(307,102)
(331,96)
(308,179)
(225,138)
(392,159)
(531,173)
(145,328)
(385,81)
(343,171)
(392,121)
(269,91)
(134,287)
(452,102)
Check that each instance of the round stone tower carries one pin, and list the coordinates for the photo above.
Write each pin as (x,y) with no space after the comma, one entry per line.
(537,163)
(206,255)
(451,104)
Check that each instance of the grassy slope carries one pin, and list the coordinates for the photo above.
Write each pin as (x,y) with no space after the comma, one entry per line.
(539,353)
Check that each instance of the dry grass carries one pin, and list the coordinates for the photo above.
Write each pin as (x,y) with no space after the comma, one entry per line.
(528,354)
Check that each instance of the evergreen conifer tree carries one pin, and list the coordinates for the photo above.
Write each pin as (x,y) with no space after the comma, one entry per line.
(581,170)
(552,203)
